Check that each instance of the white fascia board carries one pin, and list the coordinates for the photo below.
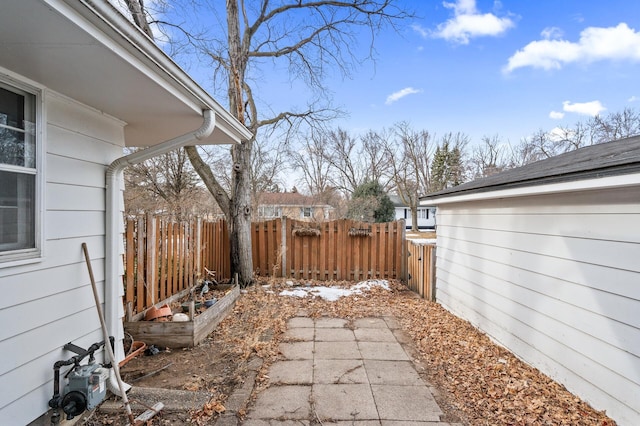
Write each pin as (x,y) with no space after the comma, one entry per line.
(609,182)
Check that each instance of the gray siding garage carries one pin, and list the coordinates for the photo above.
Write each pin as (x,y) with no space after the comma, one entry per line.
(545,259)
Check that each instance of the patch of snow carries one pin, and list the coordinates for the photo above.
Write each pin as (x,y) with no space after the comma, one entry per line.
(295,293)
(424,241)
(332,294)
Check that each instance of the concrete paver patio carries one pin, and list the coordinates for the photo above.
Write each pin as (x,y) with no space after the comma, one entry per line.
(336,375)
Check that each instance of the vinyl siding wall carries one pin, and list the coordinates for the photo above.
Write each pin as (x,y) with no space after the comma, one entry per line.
(46,304)
(555,279)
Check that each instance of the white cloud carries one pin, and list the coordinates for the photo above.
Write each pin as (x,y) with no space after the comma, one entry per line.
(401,94)
(467,23)
(420,30)
(462,7)
(577,17)
(592,108)
(559,134)
(633,99)
(556,115)
(595,44)
(551,33)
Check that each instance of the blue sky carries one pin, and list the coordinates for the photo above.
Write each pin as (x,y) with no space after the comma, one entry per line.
(508,68)
(481,67)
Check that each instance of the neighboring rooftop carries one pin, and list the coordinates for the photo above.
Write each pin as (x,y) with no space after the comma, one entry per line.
(607,159)
(287,199)
(396,200)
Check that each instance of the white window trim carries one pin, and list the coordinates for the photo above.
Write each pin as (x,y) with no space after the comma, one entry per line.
(26,256)
(275,211)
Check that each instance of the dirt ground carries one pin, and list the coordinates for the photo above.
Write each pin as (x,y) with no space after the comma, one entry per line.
(478,382)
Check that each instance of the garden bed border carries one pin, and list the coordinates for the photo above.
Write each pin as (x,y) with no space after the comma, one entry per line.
(182,334)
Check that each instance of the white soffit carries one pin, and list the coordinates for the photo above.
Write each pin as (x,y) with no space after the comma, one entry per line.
(92,54)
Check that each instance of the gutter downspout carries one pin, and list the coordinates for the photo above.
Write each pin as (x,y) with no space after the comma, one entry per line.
(113,238)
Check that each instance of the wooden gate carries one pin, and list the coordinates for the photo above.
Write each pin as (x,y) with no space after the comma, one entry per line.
(421,267)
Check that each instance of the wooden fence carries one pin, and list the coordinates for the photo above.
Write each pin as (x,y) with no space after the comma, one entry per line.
(163,258)
(336,250)
(421,268)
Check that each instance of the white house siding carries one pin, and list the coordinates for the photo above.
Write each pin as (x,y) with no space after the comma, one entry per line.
(555,279)
(46,304)
(423,223)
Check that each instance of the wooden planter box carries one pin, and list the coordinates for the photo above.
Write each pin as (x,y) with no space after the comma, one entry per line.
(182,334)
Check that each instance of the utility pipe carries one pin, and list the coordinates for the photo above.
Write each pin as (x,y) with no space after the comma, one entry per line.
(113,238)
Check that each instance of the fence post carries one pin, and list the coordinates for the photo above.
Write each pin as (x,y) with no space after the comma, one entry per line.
(432,278)
(198,247)
(129,262)
(283,246)
(152,259)
(403,248)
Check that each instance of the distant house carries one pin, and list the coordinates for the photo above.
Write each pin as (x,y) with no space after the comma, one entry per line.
(78,83)
(294,205)
(426,214)
(545,259)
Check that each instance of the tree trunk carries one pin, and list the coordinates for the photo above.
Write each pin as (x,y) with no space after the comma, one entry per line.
(240,206)
(414,219)
(136,7)
(240,215)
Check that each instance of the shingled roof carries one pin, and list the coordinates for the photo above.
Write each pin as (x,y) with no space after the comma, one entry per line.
(287,199)
(607,159)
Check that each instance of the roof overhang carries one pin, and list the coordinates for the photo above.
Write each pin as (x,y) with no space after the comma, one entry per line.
(592,184)
(609,165)
(88,51)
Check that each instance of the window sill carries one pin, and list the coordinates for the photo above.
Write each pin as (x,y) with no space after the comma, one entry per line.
(12,260)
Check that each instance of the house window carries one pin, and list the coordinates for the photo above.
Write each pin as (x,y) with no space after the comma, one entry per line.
(423,213)
(18,171)
(305,212)
(269,211)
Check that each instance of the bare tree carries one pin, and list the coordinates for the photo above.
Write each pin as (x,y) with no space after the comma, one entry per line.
(542,144)
(615,126)
(335,158)
(489,158)
(374,158)
(524,153)
(267,162)
(167,185)
(140,16)
(312,160)
(409,154)
(343,154)
(599,129)
(311,37)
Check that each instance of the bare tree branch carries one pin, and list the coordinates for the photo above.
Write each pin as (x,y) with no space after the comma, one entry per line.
(212,184)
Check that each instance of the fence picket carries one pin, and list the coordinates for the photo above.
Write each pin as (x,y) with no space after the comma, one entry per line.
(140,264)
